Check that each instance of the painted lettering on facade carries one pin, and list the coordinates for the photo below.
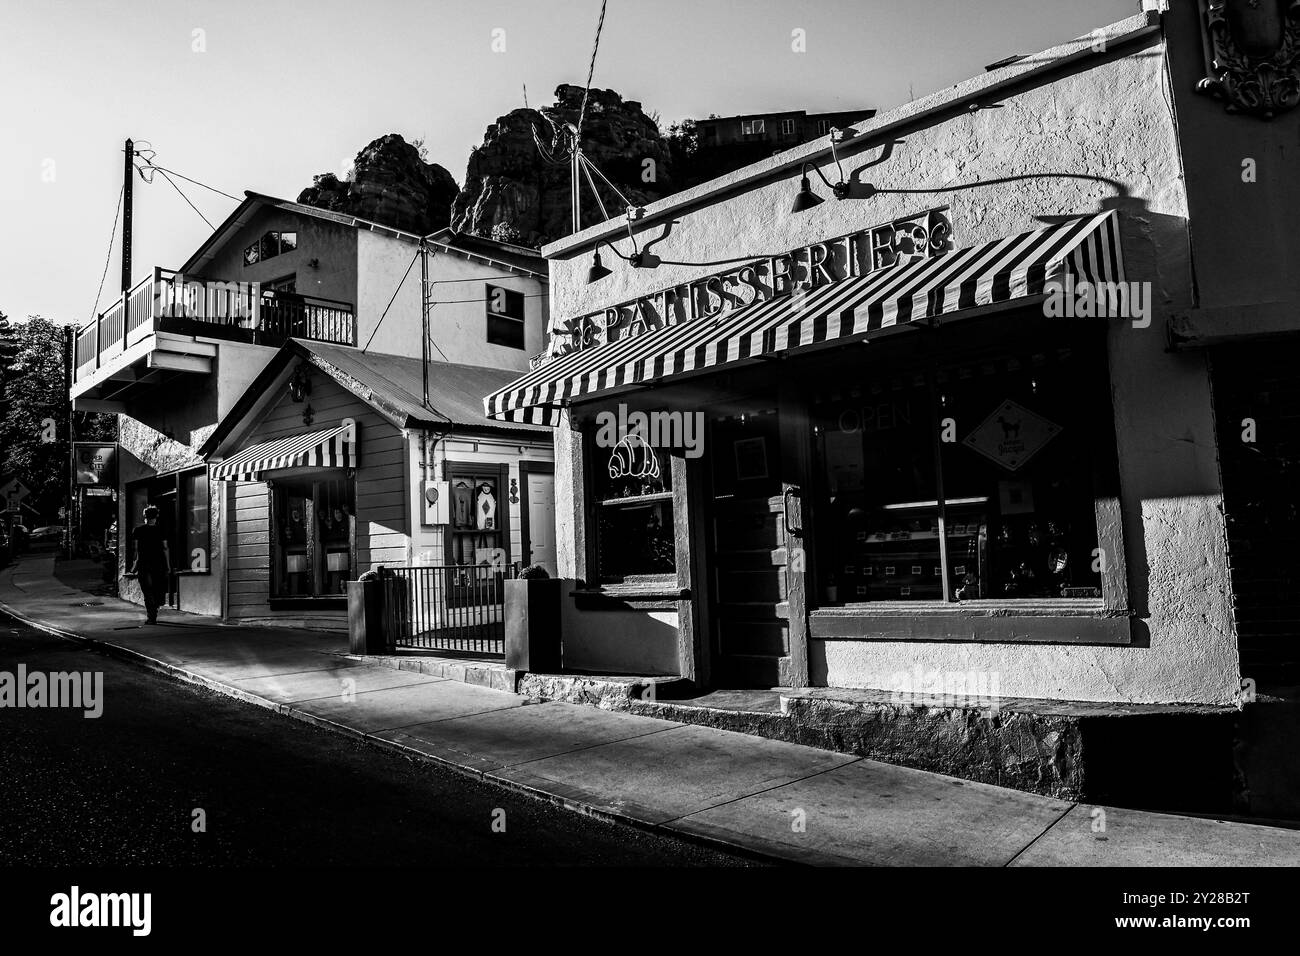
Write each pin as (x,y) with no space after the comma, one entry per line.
(917,237)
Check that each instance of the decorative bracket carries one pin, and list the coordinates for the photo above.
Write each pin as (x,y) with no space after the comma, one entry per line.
(1253,54)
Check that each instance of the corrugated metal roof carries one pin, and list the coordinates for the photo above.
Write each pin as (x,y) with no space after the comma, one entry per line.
(394,385)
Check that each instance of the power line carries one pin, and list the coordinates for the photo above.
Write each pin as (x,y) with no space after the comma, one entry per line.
(591,70)
(219,192)
(187,200)
(108,257)
(526,295)
(394,298)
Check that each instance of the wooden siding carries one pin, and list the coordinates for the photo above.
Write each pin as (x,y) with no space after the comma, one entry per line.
(383,522)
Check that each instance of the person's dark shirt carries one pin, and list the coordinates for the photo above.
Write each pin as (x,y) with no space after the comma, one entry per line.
(148,541)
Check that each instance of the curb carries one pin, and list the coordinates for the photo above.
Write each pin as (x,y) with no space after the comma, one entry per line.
(291,711)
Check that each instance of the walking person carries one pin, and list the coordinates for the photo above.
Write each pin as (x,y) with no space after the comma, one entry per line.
(152,564)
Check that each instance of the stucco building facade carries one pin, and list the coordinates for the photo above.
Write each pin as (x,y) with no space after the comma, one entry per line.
(921,450)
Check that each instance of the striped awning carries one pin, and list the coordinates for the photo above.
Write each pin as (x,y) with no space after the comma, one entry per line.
(1015,267)
(330,448)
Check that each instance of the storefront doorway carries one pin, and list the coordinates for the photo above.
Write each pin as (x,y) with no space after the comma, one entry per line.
(1257,406)
(757,560)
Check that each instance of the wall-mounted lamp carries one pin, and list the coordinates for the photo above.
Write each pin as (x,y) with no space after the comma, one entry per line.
(597,270)
(299,384)
(314,263)
(806,198)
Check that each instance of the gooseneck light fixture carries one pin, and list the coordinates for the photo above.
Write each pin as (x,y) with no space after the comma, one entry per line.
(597,270)
(806,198)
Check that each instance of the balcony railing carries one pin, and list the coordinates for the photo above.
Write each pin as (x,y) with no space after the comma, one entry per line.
(168,301)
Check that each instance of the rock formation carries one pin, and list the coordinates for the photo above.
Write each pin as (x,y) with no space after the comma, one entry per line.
(513,193)
(392,185)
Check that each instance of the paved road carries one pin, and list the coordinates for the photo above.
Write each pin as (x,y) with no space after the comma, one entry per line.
(121,789)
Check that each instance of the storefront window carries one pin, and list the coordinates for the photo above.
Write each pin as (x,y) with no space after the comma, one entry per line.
(476,516)
(313,522)
(995,451)
(195,532)
(634,510)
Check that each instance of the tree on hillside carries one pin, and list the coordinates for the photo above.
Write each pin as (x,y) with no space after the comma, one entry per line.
(34,407)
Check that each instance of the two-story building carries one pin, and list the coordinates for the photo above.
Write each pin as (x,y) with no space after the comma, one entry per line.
(195,362)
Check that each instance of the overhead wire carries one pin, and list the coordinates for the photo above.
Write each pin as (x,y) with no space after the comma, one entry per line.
(187,200)
(410,266)
(219,192)
(591,70)
(108,257)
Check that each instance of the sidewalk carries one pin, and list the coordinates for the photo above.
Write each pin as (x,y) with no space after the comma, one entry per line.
(779,800)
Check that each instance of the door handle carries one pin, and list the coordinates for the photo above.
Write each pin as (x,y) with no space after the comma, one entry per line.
(792,491)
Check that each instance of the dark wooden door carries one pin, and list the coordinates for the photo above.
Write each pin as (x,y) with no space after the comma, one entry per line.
(755,555)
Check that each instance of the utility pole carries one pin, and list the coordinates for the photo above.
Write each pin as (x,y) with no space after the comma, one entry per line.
(127,169)
(424,318)
(69,337)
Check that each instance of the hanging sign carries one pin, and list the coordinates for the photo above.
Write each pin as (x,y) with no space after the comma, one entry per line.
(96,464)
(1011,435)
(902,241)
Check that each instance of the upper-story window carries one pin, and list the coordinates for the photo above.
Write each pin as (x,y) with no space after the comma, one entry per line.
(505,317)
(269,246)
(753,127)
(823,127)
(787,127)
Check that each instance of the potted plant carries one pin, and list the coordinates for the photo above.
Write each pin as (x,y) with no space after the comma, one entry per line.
(533,621)
(366,615)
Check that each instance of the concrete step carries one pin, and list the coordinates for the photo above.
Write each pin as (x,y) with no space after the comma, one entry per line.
(611,692)
(481,673)
(1163,757)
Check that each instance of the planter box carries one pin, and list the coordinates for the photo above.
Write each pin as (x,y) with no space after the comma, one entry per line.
(533,625)
(366,618)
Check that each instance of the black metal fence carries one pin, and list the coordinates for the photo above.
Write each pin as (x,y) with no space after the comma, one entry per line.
(455,610)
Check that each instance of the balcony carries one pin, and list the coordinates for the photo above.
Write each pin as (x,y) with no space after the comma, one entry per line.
(171,323)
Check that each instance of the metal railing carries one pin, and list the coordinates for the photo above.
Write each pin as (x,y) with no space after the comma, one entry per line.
(164,298)
(454,610)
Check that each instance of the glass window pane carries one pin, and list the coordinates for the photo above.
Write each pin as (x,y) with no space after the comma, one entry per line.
(195,529)
(332,505)
(1018,478)
(879,540)
(252,254)
(507,332)
(293,517)
(636,539)
(269,246)
(288,242)
(634,520)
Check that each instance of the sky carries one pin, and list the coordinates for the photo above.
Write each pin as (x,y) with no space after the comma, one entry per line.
(264,94)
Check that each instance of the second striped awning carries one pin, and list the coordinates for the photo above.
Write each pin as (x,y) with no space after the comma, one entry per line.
(1015,267)
(330,448)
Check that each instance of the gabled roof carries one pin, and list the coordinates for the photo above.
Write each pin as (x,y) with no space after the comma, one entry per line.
(390,384)
(500,254)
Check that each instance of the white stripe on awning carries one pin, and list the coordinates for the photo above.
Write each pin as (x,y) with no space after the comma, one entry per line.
(1011,268)
(330,448)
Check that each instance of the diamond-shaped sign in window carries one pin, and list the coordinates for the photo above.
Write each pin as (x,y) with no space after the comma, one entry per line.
(1012,435)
